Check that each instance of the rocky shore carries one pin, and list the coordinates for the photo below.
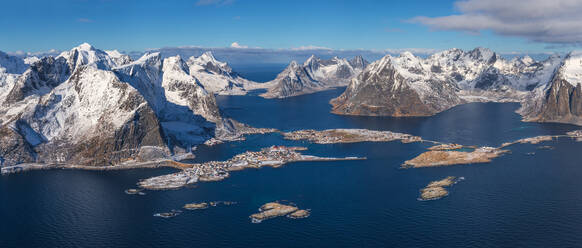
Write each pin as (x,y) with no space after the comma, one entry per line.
(123,166)
(436,189)
(241,131)
(333,136)
(531,140)
(452,154)
(274,156)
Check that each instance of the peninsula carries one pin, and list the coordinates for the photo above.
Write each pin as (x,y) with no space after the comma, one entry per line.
(333,136)
(274,156)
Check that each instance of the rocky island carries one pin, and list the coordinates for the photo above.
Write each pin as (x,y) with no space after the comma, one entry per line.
(196,206)
(205,205)
(275,209)
(452,157)
(436,189)
(166,215)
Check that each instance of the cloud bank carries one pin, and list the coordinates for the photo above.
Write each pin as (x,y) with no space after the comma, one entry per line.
(555,21)
(236,45)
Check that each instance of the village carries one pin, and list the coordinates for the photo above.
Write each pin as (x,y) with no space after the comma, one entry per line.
(274,156)
(332,136)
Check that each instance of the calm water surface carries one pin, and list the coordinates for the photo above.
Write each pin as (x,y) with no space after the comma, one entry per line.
(518,200)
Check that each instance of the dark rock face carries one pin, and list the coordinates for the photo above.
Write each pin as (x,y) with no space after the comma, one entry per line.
(14,148)
(384,92)
(376,96)
(292,81)
(42,77)
(489,79)
(125,143)
(358,62)
(563,103)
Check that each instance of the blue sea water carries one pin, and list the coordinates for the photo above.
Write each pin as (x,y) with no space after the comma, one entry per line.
(518,200)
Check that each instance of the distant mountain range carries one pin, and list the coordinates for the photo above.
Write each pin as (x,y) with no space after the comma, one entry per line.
(408,85)
(314,75)
(92,107)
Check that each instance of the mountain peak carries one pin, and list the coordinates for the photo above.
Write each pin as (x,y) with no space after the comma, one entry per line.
(208,56)
(293,64)
(358,62)
(310,60)
(85,47)
(175,63)
(483,53)
(407,54)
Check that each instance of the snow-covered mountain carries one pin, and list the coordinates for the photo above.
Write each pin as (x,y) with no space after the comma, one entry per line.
(314,75)
(334,71)
(559,99)
(294,80)
(414,86)
(219,78)
(396,86)
(10,68)
(92,107)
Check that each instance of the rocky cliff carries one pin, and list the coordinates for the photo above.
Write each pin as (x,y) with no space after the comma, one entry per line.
(396,86)
(559,100)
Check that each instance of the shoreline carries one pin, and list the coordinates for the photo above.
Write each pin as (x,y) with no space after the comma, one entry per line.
(328,136)
(20,168)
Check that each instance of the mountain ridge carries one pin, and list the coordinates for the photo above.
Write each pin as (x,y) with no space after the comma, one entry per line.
(91,107)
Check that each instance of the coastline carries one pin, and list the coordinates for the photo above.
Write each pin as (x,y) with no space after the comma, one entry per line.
(15,169)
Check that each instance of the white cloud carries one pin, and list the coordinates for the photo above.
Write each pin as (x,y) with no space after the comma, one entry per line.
(548,21)
(236,45)
(39,53)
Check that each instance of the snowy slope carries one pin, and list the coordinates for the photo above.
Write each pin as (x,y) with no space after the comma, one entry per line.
(10,68)
(219,78)
(571,69)
(560,98)
(333,72)
(397,86)
(93,107)
(440,79)
(314,75)
(292,81)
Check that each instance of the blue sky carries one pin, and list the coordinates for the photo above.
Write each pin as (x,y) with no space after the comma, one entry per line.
(133,25)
